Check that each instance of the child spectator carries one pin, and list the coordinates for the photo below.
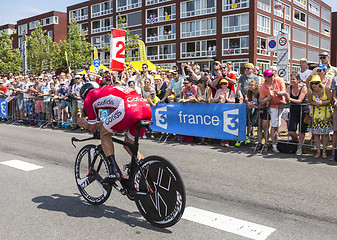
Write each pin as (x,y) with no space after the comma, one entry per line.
(153,99)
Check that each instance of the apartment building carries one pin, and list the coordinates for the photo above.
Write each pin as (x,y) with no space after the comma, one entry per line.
(54,22)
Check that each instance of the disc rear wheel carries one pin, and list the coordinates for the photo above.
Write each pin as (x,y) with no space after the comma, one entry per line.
(164,205)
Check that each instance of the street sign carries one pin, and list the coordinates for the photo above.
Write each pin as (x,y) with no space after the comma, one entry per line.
(283,42)
(96,63)
(117,50)
(272,44)
(282,57)
(282,72)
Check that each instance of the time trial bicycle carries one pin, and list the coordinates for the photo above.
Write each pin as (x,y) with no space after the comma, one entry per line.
(153,182)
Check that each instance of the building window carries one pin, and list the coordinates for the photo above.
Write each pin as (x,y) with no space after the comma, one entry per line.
(79,14)
(239,65)
(300,18)
(50,34)
(161,33)
(161,52)
(33,25)
(84,27)
(235,23)
(101,25)
(198,49)
(313,23)
(325,14)
(134,32)
(151,2)
(295,68)
(325,43)
(234,4)
(313,40)
(325,29)
(314,7)
(299,35)
(280,12)
(262,46)
(235,46)
(197,8)
(301,3)
(263,24)
(204,27)
(123,5)
(264,64)
(101,41)
(22,29)
(161,14)
(101,9)
(299,52)
(278,27)
(264,5)
(132,19)
(313,56)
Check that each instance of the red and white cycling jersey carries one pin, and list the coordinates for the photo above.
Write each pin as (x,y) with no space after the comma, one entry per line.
(129,107)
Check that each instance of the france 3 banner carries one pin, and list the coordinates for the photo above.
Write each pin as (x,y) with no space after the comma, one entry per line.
(213,120)
(117,50)
(3,108)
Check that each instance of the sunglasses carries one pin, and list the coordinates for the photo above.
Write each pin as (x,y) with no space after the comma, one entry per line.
(223,83)
(314,83)
(162,74)
(248,68)
(320,70)
(186,83)
(323,57)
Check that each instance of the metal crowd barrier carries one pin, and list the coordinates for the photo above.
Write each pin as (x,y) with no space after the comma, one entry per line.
(29,116)
(308,142)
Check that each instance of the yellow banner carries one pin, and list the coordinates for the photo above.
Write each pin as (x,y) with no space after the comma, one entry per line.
(95,53)
(142,51)
(65,53)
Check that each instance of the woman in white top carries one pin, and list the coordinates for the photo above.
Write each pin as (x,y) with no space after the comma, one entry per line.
(146,89)
(204,92)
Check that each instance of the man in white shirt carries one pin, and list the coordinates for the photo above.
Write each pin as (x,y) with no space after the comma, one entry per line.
(305,71)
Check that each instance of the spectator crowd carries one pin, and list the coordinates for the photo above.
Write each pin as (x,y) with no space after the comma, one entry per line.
(306,103)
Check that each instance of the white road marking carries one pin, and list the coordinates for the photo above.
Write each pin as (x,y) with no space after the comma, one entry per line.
(228,224)
(25,166)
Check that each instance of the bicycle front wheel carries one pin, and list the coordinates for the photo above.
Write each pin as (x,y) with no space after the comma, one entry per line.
(88,177)
(165,205)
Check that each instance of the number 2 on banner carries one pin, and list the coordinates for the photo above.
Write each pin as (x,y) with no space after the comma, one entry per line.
(120,52)
(117,51)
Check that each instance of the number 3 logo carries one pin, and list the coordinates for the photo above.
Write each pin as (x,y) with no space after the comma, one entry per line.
(119,53)
(231,121)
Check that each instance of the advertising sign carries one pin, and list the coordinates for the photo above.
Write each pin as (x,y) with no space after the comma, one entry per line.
(117,50)
(212,120)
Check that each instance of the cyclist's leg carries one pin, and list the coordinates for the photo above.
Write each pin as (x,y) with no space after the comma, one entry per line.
(130,139)
(112,124)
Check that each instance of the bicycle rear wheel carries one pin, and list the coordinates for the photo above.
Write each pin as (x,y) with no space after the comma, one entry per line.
(87,180)
(165,206)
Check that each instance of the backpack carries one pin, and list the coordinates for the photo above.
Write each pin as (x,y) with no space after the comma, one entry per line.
(286,147)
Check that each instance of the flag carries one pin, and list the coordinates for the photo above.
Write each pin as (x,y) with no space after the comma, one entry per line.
(152,20)
(142,51)
(95,53)
(65,53)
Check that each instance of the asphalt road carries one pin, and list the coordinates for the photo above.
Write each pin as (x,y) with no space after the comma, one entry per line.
(295,196)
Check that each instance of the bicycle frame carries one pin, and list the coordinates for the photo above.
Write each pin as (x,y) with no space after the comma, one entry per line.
(133,148)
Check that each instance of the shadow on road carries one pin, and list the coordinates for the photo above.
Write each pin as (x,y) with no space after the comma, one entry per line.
(73,206)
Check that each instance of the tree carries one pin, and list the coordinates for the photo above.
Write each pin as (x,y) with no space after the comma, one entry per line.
(41,51)
(131,43)
(76,47)
(10,59)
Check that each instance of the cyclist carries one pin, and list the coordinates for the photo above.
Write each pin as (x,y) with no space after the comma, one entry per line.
(128,108)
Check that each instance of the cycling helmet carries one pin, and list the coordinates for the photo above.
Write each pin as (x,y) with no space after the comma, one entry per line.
(86,88)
